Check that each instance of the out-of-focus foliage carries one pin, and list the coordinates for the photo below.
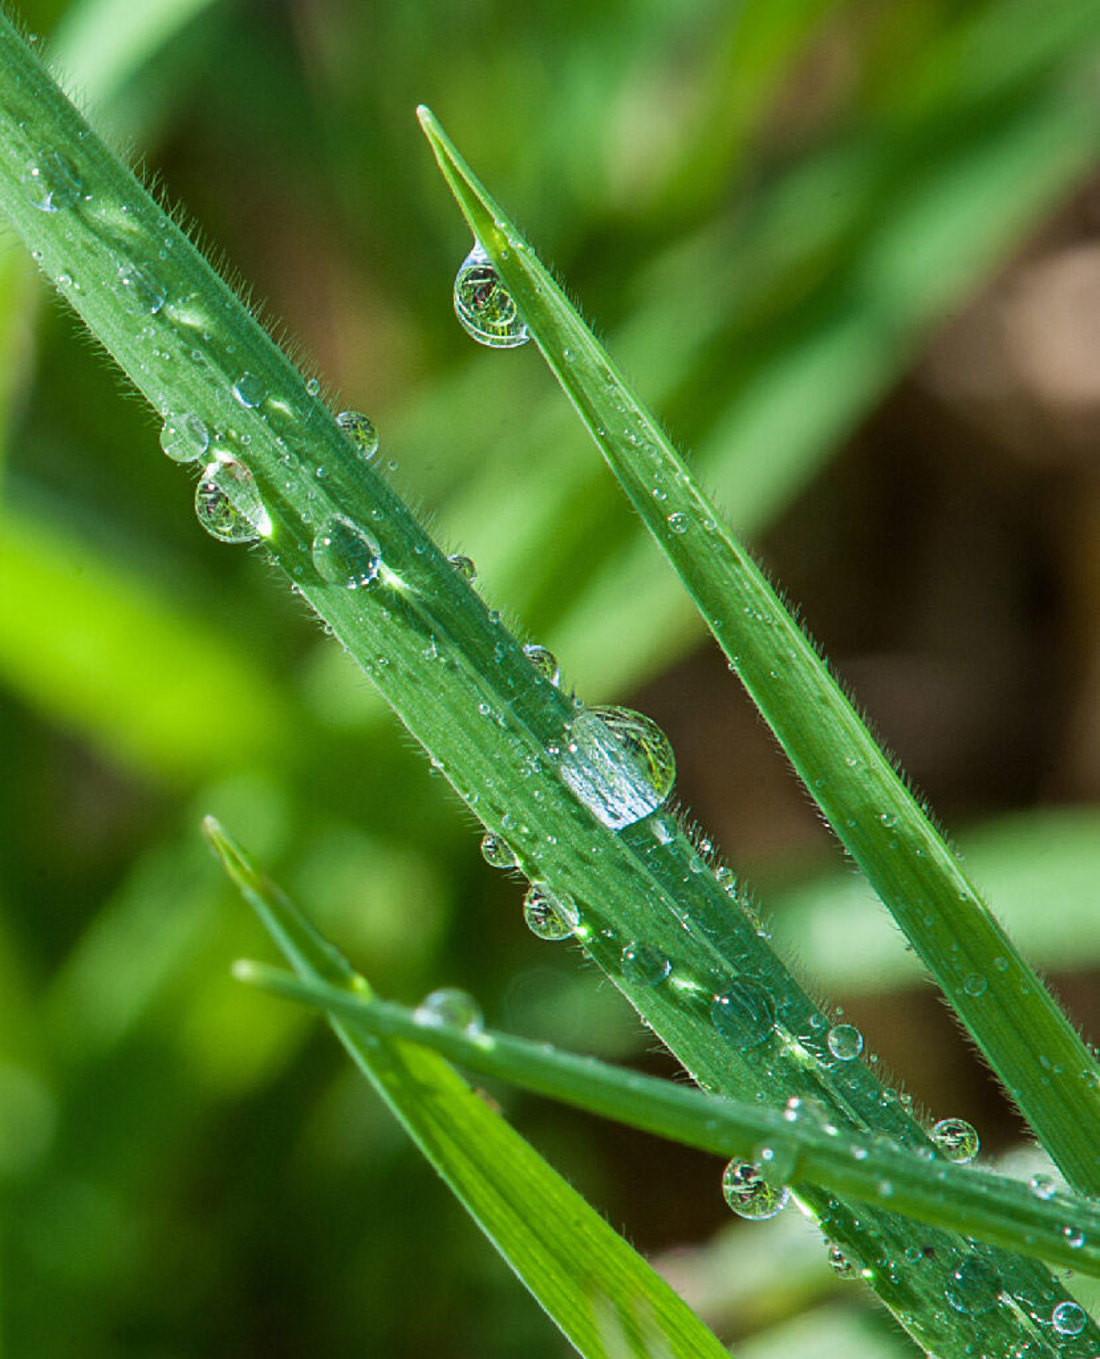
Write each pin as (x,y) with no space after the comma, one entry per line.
(775,208)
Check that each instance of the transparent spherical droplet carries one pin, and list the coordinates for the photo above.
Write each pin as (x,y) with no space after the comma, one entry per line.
(450,1008)
(464,566)
(749,1194)
(1068,1318)
(184,438)
(839,1263)
(344,555)
(845,1042)
(1075,1237)
(975,984)
(956,1140)
(678,523)
(361,431)
(1043,1186)
(313,386)
(644,964)
(619,763)
(549,916)
(973,1288)
(496,852)
(544,661)
(484,307)
(228,504)
(250,390)
(743,1013)
(51,181)
(139,289)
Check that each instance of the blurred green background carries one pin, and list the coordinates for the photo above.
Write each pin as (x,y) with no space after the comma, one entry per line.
(851,251)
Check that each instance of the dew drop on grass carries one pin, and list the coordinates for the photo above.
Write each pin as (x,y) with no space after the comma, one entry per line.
(845,1042)
(139,289)
(1068,1318)
(749,1194)
(619,763)
(1075,1237)
(344,555)
(464,566)
(956,1140)
(644,964)
(973,1288)
(544,661)
(496,852)
(250,390)
(1043,1186)
(678,523)
(839,1263)
(484,307)
(184,438)
(450,1008)
(548,916)
(743,1013)
(51,181)
(361,431)
(228,504)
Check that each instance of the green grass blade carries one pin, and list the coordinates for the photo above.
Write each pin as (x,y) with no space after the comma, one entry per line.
(1026,1037)
(593,1285)
(1064,1230)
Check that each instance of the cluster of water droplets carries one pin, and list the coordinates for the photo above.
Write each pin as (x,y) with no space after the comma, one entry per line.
(484,306)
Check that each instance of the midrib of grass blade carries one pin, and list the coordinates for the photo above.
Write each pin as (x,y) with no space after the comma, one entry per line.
(596,1288)
(1063,1230)
(1024,1034)
(465,689)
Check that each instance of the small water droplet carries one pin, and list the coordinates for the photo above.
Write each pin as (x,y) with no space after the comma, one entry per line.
(139,290)
(975,984)
(973,1288)
(1068,1318)
(678,523)
(51,182)
(1043,1186)
(644,964)
(313,386)
(1075,1237)
(619,763)
(484,307)
(184,438)
(956,1139)
(845,1042)
(250,390)
(361,431)
(749,1194)
(496,852)
(344,555)
(228,504)
(450,1008)
(839,1263)
(464,566)
(549,916)
(743,1013)
(544,661)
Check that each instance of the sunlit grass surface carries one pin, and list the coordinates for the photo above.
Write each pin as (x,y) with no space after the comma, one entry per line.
(170,1189)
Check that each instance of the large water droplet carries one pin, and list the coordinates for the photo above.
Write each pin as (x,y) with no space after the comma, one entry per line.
(973,1288)
(496,852)
(749,1194)
(743,1013)
(51,182)
(619,763)
(956,1140)
(644,964)
(184,438)
(228,504)
(344,555)
(449,1008)
(545,662)
(845,1042)
(549,916)
(1068,1318)
(139,290)
(250,390)
(361,431)
(485,308)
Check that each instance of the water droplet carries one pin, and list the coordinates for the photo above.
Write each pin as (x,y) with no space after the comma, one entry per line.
(549,916)
(1043,1186)
(956,1139)
(743,1013)
(845,1042)
(464,566)
(228,503)
(1068,1318)
(449,1008)
(484,307)
(250,390)
(839,1263)
(361,431)
(544,661)
(1075,1237)
(51,182)
(678,523)
(496,852)
(973,1288)
(313,386)
(619,763)
(749,1194)
(184,438)
(644,964)
(975,984)
(344,555)
(139,290)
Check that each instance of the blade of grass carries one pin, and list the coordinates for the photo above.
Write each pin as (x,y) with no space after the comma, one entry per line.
(1028,1040)
(1064,1230)
(602,1295)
